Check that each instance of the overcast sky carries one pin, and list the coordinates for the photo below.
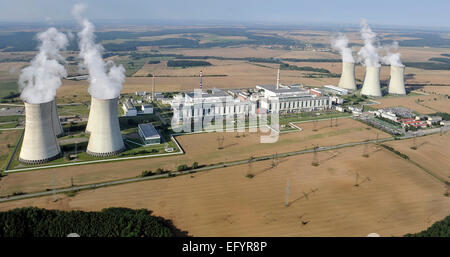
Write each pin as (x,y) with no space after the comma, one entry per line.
(432,13)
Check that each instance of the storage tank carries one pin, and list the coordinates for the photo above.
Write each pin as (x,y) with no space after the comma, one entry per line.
(371,85)
(347,80)
(397,83)
(57,127)
(39,143)
(105,138)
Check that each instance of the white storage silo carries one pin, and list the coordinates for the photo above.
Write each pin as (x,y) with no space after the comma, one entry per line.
(39,143)
(105,137)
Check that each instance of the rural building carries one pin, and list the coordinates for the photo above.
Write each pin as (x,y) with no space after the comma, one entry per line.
(148,134)
(128,108)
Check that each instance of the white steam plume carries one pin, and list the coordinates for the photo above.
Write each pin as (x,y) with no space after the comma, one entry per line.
(39,81)
(341,43)
(105,77)
(368,54)
(392,58)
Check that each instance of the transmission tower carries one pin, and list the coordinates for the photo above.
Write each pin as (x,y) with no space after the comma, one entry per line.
(54,185)
(356,180)
(315,125)
(315,161)
(287,193)
(366,149)
(220,140)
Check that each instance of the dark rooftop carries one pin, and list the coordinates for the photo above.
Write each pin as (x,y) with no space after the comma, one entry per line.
(148,130)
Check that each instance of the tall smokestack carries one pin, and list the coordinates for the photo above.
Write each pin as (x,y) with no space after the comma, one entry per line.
(278,78)
(371,85)
(396,83)
(57,127)
(201,80)
(347,80)
(39,142)
(153,87)
(105,138)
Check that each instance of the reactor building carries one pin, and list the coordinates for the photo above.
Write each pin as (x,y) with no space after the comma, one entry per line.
(397,83)
(39,143)
(371,85)
(347,80)
(103,124)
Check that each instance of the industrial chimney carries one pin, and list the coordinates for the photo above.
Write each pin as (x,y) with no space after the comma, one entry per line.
(347,80)
(56,122)
(105,138)
(396,83)
(39,142)
(371,85)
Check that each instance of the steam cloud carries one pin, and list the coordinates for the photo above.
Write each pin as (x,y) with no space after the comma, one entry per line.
(341,43)
(105,77)
(392,58)
(368,54)
(39,81)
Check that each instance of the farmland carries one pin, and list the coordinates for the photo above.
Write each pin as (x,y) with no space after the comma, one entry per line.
(392,198)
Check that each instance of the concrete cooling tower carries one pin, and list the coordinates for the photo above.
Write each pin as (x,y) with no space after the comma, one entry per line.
(39,143)
(371,85)
(397,83)
(56,122)
(347,80)
(105,139)
(91,115)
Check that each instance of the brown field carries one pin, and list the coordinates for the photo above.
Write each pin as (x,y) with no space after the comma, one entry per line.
(442,90)
(262,52)
(398,197)
(429,105)
(348,130)
(432,152)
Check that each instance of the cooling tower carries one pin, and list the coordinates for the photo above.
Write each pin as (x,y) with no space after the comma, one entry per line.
(371,85)
(91,115)
(39,143)
(396,83)
(105,139)
(347,80)
(55,119)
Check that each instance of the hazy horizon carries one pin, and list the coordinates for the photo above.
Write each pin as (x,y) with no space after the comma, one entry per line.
(383,13)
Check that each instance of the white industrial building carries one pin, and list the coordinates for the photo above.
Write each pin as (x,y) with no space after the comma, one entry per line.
(105,138)
(128,108)
(335,90)
(287,99)
(198,105)
(146,109)
(39,143)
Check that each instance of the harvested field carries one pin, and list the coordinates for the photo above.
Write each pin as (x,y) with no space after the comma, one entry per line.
(241,148)
(392,198)
(432,152)
(427,105)
(7,137)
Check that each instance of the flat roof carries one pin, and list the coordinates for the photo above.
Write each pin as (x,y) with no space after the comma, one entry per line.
(148,130)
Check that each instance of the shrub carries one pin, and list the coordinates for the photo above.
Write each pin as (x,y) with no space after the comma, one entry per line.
(182,167)
(195,165)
